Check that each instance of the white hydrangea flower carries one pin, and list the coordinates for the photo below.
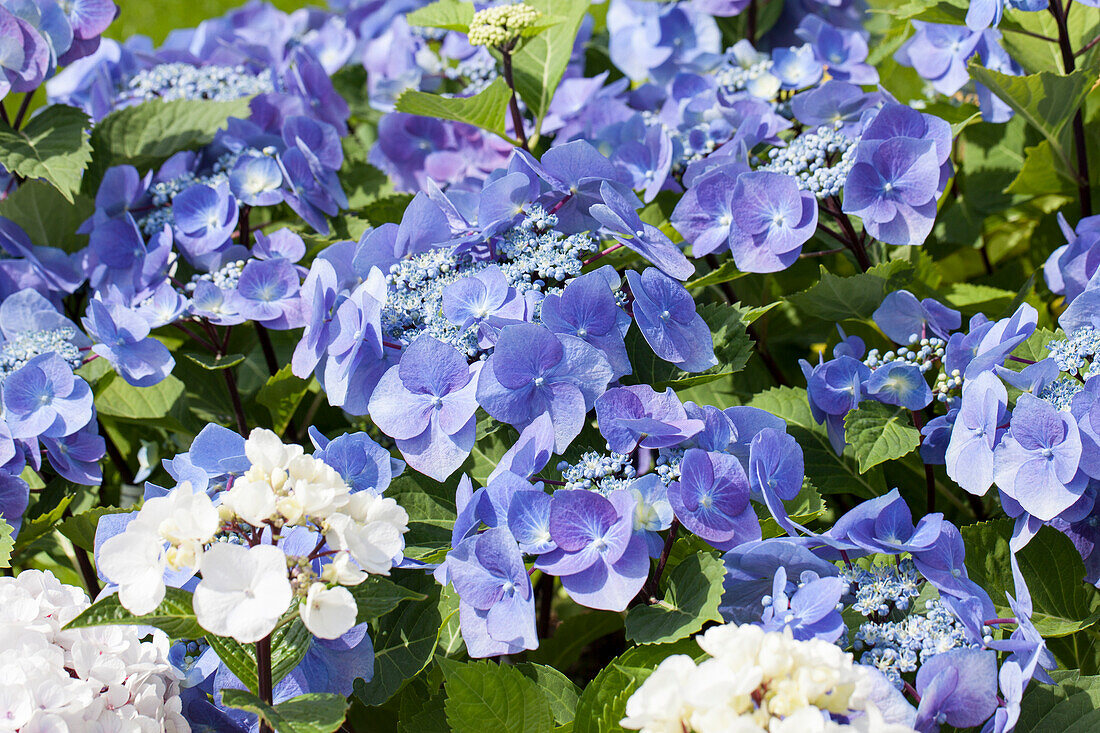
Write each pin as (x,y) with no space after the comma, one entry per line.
(757,681)
(267,453)
(254,501)
(97,679)
(664,706)
(343,570)
(136,559)
(243,592)
(328,613)
(371,528)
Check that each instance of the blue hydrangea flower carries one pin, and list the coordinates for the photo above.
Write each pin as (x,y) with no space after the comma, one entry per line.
(893,190)
(901,316)
(772,219)
(588,309)
(45,398)
(939,52)
(122,338)
(361,462)
(427,403)
(618,213)
(711,499)
(256,180)
(637,415)
(810,612)
(485,294)
(602,563)
(975,433)
(76,457)
(533,371)
(267,293)
(899,383)
(958,687)
(665,314)
(205,217)
(531,451)
(497,603)
(1036,462)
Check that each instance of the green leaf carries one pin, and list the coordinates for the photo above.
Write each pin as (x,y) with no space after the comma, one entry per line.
(1052,567)
(486,696)
(428,715)
(289,643)
(387,209)
(973,298)
(116,398)
(830,473)
(41,525)
(559,690)
(281,396)
(147,134)
(376,596)
(1046,100)
(802,509)
(432,512)
(486,109)
(564,648)
(603,702)
(7,544)
(80,528)
(834,298)
(1072,703)
(538,65)
(879,433)
(726,272)
(404,642)
(52,146)
(314,712)
(49,218)
(215,363)
(449,14)
(692,593)
(174,616)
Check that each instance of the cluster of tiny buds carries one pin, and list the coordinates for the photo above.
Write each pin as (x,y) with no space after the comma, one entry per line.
(897,647)
(948,387)
(478,71)
(531,255)
(1075,355)
(923,352)
(819,160)
(883,588)
(733,77)
(25,346)
(226,277)
(603,472)
(186,81)
(1060,392)
(668,464)
(501,25)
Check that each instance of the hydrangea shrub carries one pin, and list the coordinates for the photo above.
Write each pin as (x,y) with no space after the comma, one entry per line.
(689,366)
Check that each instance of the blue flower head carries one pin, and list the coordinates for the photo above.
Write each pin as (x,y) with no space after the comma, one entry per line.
(533,371)
(711,499)
(427,403)
(496,608)
(601,561)
(665,314)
